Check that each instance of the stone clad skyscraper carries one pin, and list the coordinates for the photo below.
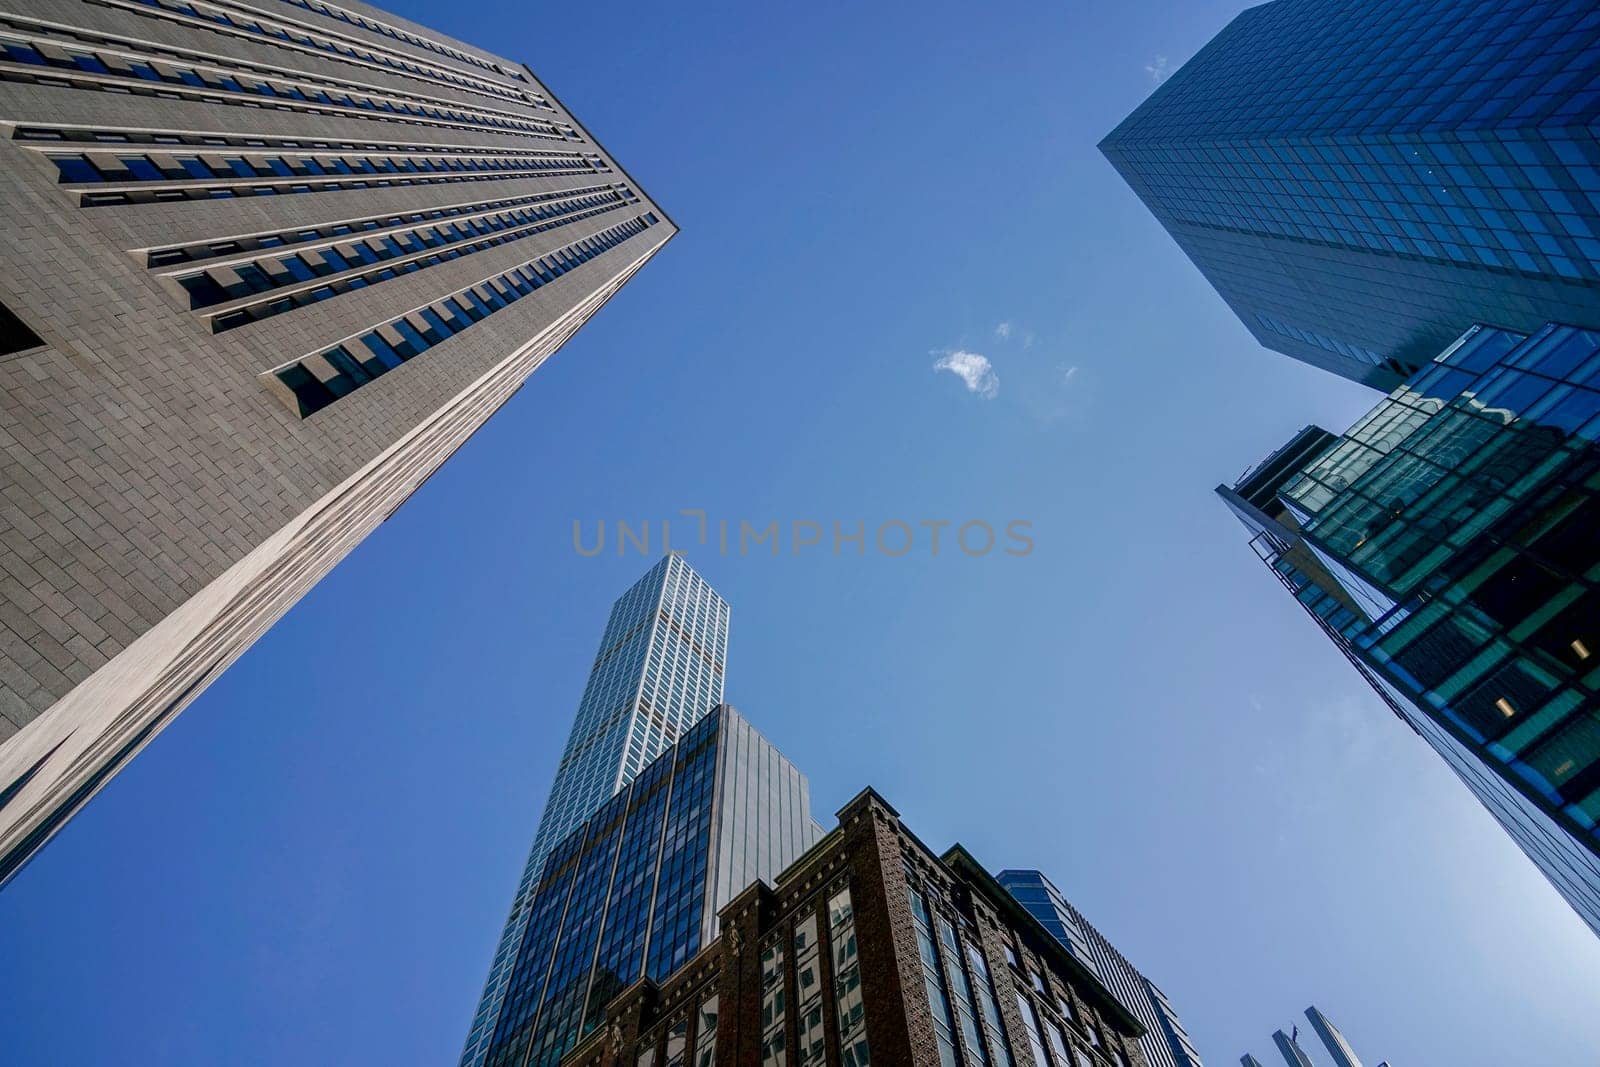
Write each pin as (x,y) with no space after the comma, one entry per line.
(658,672)
(1361,180)
(267,264)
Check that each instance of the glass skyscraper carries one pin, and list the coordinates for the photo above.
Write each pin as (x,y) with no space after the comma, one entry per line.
(1362,179)
(634,891)
(1165,1042)
(659,671)
(1449,545)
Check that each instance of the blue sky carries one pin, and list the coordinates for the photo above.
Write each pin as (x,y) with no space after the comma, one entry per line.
(313,864)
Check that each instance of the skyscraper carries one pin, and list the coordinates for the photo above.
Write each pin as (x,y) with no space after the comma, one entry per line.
(1447,544)
(1363,179)
(659,670)
(634,891)
(1295,1056)
(1343,1055)
(267,265)
(870,949)
(1165,1042)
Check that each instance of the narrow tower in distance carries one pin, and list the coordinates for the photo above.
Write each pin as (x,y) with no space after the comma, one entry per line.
(1343,1055)
(659,670)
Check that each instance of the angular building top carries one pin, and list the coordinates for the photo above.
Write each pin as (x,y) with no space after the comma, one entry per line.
(634,892)
(271,263)
(1362,179)
(1165,1042)
(1294,1055)
(658,671)
(1447,545)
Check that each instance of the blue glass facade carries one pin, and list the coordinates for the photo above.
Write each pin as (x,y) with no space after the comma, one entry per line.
(1361,179)
(659,671)
(1165,1042)
(1449,544)
(634,891)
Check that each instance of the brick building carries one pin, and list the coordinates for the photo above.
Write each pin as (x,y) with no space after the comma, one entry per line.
(871,949)
(266,265)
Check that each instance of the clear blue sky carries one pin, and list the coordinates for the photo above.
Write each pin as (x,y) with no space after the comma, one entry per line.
(313,864)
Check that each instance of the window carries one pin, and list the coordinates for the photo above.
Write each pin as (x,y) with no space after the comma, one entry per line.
(774,1049)
(933,981)
(812,1043)
(705,1040)
(678,1043)
(1030,1021)
(1011,956)
(993,1028)
(15,336)
(848,1003)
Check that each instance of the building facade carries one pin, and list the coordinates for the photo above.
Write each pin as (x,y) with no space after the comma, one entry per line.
(634,892)
(1363,179)
(267,265)
(1165,1042)
(871,949)
(658,672)
(1447,544)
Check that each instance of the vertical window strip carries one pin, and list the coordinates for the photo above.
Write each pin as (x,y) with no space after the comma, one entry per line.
(933,981)
(849,1005)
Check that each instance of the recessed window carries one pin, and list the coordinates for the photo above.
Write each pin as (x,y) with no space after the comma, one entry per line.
(15,336)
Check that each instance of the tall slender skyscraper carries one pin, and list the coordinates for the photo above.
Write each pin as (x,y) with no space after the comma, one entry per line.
(1447,544)
(634,891)
(266,265)
(1165,1042)
(1363,179)
(1343,1055)
(658,672)
(1289,1047)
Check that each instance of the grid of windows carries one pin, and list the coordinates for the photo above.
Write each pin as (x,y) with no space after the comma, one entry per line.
(1316,149)
(1459,518)
(676,926)
(318,380)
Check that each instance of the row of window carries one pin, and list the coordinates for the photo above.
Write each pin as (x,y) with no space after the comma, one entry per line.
(282,36)
(225,284)
(317,381)
(85,135)
(367,227)
(296,94)
(398,34)
(105,167)
(264,176)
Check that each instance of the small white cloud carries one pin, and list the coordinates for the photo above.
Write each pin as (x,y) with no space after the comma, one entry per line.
(1027,339)
(1066,375)
(1003,331)
(1158,69)
(974,370)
